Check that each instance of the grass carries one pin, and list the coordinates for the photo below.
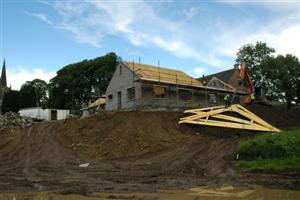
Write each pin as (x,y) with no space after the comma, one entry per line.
(276,164)
(270,151)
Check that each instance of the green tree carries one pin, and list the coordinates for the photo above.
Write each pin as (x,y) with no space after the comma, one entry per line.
(254,56)
(284,73)
(41,89)
(298,92)
(11,101)
(27,95)
(33,93)
(78,83)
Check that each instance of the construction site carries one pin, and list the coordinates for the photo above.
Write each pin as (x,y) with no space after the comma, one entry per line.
(149,100)
(132,151)
(115,152)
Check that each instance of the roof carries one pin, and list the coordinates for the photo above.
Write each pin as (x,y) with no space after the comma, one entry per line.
(225,76)
(161,74)
(231,77)
(98,102)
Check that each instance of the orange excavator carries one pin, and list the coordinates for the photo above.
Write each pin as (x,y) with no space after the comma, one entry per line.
(244,75)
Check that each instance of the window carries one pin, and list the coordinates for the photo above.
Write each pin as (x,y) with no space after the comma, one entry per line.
(120,70)
(214,84)
(131,93)
(159,91)
(110,97)
(212,98)
(185,94)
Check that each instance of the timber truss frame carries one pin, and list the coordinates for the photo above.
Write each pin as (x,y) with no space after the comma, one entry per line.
(215,116)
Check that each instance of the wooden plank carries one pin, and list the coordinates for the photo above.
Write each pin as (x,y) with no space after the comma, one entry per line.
(255,127)
(202,109)
(252,116)
(255,118)
(202,116)
(230,118)
(215,78)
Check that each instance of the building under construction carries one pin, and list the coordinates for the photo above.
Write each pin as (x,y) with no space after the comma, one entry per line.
(136,86)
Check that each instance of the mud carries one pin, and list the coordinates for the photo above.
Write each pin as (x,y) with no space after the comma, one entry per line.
(203,193)
(126,151)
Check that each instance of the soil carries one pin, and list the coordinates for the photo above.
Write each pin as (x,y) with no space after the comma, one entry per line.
(131,151)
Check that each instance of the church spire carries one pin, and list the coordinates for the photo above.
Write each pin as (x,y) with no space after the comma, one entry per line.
(3,81)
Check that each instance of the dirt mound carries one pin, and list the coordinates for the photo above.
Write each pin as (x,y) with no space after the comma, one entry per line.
(121,135)
(126,151)
(278,116)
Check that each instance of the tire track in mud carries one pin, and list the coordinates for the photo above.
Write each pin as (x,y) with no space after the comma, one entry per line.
(28,153)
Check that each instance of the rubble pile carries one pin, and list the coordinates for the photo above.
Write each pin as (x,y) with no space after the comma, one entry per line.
(14,120)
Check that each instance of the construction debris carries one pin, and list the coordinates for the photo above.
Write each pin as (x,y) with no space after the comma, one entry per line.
(14,120)
(216,116)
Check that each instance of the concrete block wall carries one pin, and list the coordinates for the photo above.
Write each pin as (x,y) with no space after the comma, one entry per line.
(122,79)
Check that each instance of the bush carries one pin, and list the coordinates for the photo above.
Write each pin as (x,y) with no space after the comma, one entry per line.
(271,151)
(270,146)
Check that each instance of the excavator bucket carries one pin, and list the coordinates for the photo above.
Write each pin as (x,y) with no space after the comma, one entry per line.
(217,116)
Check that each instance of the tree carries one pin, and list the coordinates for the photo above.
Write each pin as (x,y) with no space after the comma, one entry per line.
(298,92)
(284,73)
(78,83)
(27,95)
(11,101)
(254,56)
(34,93)
(41,89)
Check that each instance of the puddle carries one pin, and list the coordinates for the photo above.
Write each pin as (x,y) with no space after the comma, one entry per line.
(200,193)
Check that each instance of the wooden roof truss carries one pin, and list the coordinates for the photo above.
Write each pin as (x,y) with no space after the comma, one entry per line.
(226,86)
(216,116)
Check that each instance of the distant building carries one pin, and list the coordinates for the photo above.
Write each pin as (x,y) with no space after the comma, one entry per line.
(92,108)
(226,79)
(40,114)
(3,85)
(140,86)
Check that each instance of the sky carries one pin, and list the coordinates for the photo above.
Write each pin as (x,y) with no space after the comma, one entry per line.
(39,37)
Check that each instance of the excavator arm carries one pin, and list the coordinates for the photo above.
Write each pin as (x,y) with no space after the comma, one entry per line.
(244,75)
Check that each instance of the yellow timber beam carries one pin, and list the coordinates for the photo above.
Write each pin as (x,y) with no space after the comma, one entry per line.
(216,116)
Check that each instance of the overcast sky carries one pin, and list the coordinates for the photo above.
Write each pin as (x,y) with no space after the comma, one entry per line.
(199,37)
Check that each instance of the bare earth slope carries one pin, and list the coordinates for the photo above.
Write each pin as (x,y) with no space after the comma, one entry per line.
(128,151)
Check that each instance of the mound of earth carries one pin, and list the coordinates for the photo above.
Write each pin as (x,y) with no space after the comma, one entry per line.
(121,135)
(128,151)
(278,116)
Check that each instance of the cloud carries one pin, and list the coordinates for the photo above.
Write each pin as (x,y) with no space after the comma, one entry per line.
(199,71)
(213,39)
(275,5)
(90,21)
(181,49)
(15,78)
(131,52)
(40,16)
(191,12)
(285,41)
